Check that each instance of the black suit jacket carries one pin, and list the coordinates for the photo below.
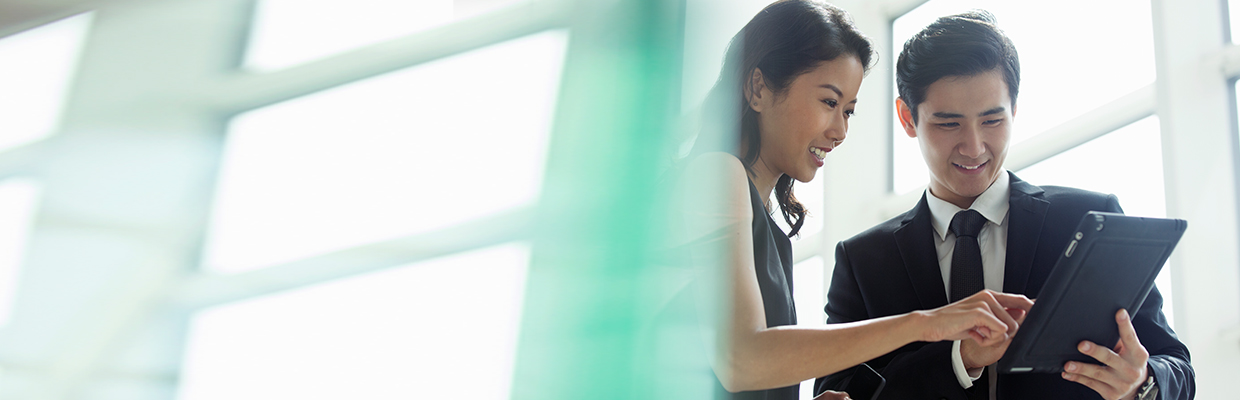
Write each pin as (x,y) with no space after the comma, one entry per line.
(893,269)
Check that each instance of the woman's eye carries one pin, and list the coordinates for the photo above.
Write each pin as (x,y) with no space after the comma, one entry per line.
(849,113)
(831,102)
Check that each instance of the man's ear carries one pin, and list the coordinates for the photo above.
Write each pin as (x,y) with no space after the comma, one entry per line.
(754,91)
(906,118)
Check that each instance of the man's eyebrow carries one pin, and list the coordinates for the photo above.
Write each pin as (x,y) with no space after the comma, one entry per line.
(996,110)
(947,115)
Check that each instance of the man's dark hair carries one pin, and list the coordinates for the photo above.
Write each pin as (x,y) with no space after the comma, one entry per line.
(964,44)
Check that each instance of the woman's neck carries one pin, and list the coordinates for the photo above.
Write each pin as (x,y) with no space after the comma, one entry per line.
(764,180)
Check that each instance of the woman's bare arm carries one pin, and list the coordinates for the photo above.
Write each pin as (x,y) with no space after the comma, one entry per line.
(751,356)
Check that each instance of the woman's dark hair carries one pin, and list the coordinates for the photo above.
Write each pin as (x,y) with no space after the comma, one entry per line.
(964,44)
(786,39)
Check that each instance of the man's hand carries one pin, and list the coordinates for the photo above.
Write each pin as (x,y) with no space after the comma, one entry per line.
(980,317)
(1124,371)
(833,395)
(977,356)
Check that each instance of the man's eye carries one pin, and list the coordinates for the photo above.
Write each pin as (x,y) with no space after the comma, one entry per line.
(948,125)
(993,122)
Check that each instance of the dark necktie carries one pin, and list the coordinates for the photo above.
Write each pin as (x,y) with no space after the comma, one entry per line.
(967,256)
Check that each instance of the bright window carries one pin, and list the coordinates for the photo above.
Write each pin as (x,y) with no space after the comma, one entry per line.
(291,32)
(17,208)
(35,78)
(1233,11)
(1126,163)
(409,152)
(1070,63)
(423,331)
(808,293)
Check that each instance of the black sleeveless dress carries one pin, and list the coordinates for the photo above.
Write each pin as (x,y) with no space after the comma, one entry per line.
(772,256)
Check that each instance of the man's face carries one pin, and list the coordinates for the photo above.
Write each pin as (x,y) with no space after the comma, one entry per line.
(963,127)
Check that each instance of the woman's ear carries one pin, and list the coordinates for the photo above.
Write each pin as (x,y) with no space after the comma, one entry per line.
(906,118)
(756,92)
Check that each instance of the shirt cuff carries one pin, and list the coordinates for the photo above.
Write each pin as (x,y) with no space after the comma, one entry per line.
(962,375)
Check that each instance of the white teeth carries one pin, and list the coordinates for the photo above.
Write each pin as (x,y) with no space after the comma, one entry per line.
(818,152)
(971,168)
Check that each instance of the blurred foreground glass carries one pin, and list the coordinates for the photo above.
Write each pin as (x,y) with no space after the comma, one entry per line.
(1070,63)
(1126,163)
(36,72)
(438,329)
(408,152)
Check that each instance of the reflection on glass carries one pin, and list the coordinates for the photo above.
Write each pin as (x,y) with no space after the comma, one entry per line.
(17,207)
(34,78)
(1065,72)
(409,152)
(291,32)
(1126,163)
(431,330)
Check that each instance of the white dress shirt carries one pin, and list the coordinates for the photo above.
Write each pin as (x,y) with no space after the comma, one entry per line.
(992,204)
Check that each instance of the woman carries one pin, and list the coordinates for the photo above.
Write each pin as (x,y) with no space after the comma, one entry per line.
(793,73)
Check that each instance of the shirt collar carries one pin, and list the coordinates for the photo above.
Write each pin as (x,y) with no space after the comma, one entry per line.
(992,204)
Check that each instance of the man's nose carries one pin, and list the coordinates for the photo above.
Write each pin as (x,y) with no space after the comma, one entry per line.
(972,144)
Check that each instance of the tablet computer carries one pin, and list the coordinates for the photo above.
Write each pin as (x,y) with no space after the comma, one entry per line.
(1109,263)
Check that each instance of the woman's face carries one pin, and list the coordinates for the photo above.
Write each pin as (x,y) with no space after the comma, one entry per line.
(809,119)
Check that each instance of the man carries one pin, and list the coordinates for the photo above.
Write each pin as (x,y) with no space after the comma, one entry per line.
(980,227)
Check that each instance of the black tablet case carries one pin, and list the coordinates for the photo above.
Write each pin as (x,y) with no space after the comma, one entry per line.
(1111,262)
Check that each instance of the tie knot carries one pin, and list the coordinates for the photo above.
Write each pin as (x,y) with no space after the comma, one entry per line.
(967,223)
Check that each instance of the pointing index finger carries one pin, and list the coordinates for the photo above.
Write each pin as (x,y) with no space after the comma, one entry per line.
(1016,301)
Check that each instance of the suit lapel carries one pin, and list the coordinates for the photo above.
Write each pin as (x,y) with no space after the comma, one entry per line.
(915,238)
(1025,216)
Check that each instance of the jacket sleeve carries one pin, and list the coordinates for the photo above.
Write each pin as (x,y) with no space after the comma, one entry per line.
(914,371)
(1169,362)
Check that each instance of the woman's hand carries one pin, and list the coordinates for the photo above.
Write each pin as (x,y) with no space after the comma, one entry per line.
(987,317)
(833,395)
